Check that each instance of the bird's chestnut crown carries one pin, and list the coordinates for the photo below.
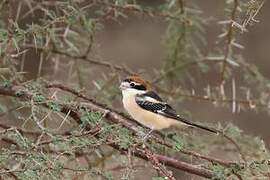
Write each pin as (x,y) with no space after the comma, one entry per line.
(134,82)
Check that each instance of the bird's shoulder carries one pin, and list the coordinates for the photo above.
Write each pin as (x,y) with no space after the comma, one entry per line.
(151,95)
(151,101)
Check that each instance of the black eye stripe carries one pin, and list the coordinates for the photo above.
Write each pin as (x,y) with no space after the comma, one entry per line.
(127,80)
(136,85)
(139,87)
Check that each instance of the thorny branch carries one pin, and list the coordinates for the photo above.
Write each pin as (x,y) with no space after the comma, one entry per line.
(246,102)
(229,42)
(115,117)
(83,57)
(70,110)
(125,121)
(229,38)
(111,8)
(137,9)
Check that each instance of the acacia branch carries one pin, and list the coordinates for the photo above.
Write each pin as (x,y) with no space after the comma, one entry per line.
(116,117)
(24,94)
(120,118)
(84,58)
(137,9)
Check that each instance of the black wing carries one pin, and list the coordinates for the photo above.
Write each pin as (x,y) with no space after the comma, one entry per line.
(153,95)
(152,102)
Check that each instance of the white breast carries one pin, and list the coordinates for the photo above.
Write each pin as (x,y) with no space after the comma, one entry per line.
(147,118)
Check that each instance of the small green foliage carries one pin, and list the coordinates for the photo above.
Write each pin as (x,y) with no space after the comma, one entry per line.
(232,130)
(124,137)
(39,98)
(67,99)
(54,106)
(237,168)
(3,33)
(108,176)
(6,83)
(20,139)
(178,143)
(80,142)
(90,118)
(28,174)
(3,157)
(219,172)
(104,175)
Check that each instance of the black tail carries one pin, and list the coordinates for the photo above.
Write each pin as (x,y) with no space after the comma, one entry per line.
(197,125)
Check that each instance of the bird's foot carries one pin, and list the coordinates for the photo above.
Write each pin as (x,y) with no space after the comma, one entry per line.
(145,138)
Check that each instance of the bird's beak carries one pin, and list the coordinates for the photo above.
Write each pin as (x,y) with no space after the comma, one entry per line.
(124,85)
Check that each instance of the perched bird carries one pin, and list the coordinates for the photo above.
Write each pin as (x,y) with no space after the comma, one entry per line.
(146,107)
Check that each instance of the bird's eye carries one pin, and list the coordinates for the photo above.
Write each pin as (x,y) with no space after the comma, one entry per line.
(132,84)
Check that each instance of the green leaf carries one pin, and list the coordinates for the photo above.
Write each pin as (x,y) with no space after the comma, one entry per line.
(54,106)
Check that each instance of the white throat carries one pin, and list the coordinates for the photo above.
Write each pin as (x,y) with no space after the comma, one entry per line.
(129,93)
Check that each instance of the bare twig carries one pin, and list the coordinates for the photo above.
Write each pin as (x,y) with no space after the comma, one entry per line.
(229,38)
(84,58)
(156,163)
(247,102)
(180,67)
(137,9)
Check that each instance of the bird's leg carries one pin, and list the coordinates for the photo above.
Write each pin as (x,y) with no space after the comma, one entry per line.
(147,135)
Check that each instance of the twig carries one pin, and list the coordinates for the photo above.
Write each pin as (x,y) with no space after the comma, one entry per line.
(117,117)
(84,58)
(229,38)
(181,66)
(248,102)
(178,164)
(114,117)
(135,8)
(156,163)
